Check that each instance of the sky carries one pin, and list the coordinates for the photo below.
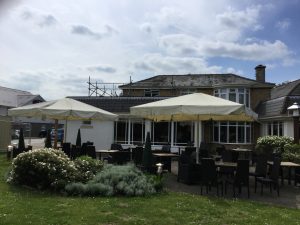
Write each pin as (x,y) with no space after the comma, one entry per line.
(52,47)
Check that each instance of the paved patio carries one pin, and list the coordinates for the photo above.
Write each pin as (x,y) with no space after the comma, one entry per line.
(289,194)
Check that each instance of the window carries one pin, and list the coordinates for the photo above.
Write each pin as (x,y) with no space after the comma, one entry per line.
(184,133)
(275,128)
(161,133)
(187,91)
(239,95)
(232,132)
(120,131)
(137,132)
(86,122)
(151,92)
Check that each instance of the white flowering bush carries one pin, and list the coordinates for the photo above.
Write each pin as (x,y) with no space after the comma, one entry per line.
(291,153)
(116,180)
(43,169)
(87,168)
(272,144)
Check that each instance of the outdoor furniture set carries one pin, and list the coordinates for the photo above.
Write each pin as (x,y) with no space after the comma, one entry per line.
(73,151)
(222,172)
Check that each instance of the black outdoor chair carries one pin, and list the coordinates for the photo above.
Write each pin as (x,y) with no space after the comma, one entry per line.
(273,179)
(297,176)
(66,148)
(241,177)
(189,150)
(115,146)
(220,150)
(75,152)
(261,167)
(83,148)
(188,171)
(203,153)
(91,151)
(28,148)
(203,150)
(209,175)
(226,157)
(120,157)
(166,148)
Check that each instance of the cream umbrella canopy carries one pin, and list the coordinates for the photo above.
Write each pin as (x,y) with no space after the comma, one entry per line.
(62,109)
(194,107)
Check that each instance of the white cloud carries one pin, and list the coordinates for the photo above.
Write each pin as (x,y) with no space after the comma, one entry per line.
(233,71)
(86,31)
(174,65)
(234,19)
(38,17)
(53,42)
(284,24)
(257,51)
(102,68)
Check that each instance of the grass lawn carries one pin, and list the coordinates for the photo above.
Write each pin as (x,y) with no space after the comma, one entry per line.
(23,206)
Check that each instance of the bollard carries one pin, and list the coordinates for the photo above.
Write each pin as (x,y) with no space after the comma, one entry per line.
(159,169)
(10,150)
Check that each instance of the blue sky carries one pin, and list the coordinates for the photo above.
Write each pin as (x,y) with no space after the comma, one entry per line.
(52,47)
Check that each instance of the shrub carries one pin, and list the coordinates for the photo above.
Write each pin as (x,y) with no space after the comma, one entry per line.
(147,161)
(87,168)
(272,144)
(42,169)
(291,153)
(124,180)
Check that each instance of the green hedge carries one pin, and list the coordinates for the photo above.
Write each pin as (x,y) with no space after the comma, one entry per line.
(291,153)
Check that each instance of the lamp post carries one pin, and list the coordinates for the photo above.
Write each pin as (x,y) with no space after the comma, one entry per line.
(295,109)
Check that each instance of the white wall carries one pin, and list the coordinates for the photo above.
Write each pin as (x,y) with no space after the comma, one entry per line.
(99,132)
(288,128)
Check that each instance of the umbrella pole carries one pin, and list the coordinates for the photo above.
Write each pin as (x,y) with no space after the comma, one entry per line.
(65,132)
(197,139)
(55,137)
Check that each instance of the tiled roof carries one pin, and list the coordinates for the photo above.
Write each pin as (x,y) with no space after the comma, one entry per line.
(276,107)
(282,96)
(116,104)
(195,80)
(271,108)
(291,88)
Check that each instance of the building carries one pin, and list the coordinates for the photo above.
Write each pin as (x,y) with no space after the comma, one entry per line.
(130,130)
(11,98)
(273,114)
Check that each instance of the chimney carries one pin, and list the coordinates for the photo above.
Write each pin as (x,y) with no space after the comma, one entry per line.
(260,73)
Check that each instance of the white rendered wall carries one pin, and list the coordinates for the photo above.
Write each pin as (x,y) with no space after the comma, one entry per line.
(263,129)
(99,132)
(288,128)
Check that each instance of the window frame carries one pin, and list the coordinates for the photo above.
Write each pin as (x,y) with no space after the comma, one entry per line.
(225,93)
(272,126)
(223,127)
(151,92)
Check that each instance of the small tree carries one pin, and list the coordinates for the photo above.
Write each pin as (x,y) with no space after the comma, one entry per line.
(78,139)
(48,143)
(147,161)
(21,145)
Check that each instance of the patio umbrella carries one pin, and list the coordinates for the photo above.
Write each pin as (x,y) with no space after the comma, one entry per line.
(194,107)
(62,109)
